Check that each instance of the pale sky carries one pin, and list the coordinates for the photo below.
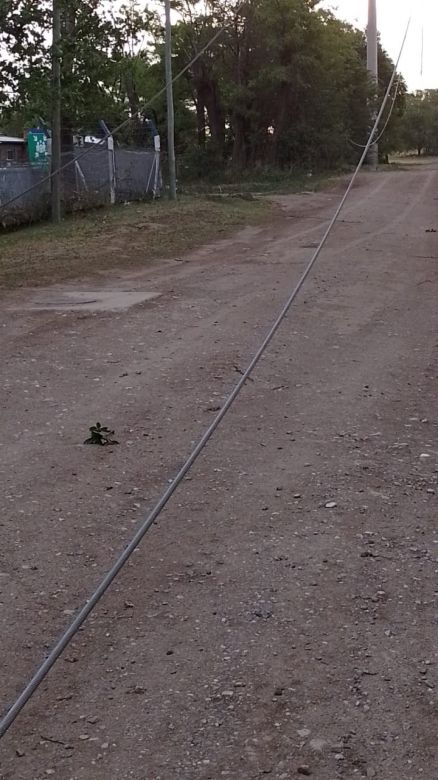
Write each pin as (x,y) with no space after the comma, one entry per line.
(393,16)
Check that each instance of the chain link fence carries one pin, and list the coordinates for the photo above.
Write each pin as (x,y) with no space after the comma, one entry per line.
(98,178)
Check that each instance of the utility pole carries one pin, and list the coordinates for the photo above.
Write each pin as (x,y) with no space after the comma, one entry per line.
(373,69)
(56,112)
(170,107)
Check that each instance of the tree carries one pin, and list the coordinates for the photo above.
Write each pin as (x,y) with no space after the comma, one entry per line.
(419,128)
(25,71)
(283,85)
(96,51)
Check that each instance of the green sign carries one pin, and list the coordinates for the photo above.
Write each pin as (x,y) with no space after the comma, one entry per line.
(37,147)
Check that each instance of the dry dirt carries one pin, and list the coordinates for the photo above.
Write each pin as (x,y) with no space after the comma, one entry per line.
(257,632)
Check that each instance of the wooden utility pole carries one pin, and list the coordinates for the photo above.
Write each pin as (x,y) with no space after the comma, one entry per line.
(170,106)
(373,69)
(56,112)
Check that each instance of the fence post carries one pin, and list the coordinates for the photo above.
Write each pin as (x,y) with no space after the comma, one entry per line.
(111,163)
(157,159)
(111,169)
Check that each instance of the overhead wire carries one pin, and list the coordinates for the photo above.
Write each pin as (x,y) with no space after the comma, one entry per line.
(148,522)
(383,131)
(397,86)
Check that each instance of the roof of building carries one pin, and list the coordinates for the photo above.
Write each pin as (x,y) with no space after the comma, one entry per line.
(9,139)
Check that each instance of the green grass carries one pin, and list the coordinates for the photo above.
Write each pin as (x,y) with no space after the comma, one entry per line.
(265,183)
(120,237)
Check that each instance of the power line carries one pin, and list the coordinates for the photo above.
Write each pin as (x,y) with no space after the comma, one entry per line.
(390,112)
(88,607)
(381,134)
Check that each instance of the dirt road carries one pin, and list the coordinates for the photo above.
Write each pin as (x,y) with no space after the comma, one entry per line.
(281,618)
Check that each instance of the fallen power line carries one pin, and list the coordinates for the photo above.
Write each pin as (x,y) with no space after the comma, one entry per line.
(89,606)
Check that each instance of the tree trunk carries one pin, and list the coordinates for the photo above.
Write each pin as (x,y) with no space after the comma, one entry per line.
(131,90)
(200,121)
(239,146)
(216,115)
(208,97)
(280,126)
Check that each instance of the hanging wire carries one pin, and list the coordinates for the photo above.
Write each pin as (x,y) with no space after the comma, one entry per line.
(376,141)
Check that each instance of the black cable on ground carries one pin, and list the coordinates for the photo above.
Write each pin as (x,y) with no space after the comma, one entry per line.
(89,606)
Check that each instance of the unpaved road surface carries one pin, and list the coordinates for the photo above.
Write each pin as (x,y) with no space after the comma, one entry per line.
(257,632)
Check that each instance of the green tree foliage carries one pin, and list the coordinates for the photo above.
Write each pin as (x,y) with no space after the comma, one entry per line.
(284,85)
(25,67)
(97,53)
(419,129)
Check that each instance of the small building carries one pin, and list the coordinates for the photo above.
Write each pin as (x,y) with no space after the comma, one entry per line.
(13,151)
